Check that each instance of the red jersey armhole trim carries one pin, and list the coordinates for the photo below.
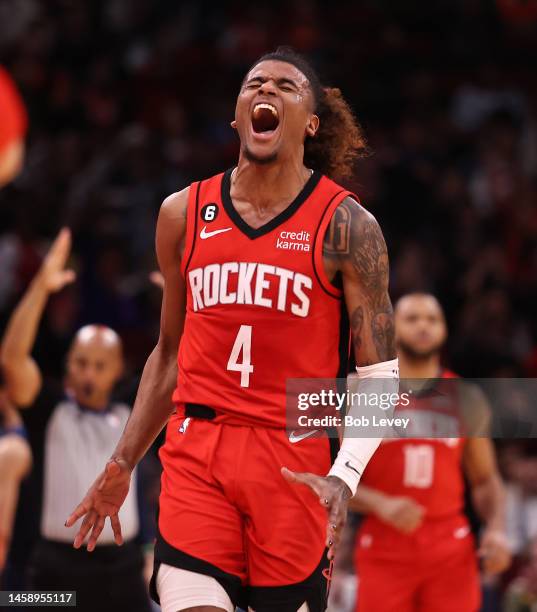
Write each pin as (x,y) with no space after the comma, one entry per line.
(318,265)
(191,226)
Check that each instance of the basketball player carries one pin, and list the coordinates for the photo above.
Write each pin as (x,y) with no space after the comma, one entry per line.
(255,296)
(415,551)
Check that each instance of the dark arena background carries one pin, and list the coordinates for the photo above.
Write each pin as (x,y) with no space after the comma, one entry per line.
(128,101)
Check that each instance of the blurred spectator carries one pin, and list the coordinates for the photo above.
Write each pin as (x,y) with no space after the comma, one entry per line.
(445,93)
(73,426)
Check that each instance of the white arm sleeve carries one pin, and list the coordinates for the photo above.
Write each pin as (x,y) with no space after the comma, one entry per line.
(355,453)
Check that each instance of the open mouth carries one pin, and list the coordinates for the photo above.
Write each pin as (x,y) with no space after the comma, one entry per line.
(87,389)
(265,118)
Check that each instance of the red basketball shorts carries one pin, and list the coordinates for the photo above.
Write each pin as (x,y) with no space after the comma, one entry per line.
(433,570)
(226,511)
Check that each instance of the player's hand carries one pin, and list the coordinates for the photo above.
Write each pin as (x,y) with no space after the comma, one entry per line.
(333,495)
(53,274)
(494,551)
(104,499)
(403,513)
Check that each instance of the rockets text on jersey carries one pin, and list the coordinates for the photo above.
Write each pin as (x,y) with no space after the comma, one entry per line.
(211,286)
(260,308)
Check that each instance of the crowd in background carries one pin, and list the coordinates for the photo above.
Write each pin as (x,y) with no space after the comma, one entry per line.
(130,100)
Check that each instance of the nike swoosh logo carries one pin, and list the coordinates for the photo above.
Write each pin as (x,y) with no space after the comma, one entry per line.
(205,234)
(294,439)
(347,464)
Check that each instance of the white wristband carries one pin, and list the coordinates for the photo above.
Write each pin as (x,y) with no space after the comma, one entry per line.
(355,453)
(384,369)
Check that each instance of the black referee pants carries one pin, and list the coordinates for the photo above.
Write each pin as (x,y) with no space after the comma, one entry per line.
(109,579)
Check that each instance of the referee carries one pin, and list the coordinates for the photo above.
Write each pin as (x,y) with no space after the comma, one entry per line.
(73,428)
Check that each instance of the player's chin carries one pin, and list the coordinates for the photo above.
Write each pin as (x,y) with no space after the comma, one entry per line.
(261,155)
(420,347)
(263,145)
(425,351)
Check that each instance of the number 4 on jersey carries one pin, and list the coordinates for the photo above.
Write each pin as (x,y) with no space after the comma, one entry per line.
(243,342)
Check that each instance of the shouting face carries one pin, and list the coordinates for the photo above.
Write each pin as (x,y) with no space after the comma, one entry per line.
(274,112)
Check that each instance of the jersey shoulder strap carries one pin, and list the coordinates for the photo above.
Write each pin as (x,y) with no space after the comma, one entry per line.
(200,190)
(339,230)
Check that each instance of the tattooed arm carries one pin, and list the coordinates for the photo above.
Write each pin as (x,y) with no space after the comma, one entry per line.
(354,246)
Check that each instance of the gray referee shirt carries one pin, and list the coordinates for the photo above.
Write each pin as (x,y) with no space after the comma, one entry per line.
(78,443)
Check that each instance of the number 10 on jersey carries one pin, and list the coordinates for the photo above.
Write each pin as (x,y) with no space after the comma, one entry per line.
(243,342)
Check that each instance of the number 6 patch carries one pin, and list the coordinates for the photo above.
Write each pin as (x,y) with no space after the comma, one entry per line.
(209,212)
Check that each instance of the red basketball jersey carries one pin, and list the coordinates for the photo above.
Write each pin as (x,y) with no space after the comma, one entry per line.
(260,308)
(426,469)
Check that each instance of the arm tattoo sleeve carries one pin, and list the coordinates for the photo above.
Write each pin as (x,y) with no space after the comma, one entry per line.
(355,245)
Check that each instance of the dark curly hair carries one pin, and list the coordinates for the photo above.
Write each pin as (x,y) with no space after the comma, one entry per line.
(339,141)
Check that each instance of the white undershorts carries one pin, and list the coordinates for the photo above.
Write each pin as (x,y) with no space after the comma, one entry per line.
(179,589)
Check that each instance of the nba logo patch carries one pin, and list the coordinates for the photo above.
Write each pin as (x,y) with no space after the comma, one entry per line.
(184,425)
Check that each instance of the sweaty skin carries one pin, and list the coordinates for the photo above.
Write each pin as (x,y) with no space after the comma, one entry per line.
(270,174)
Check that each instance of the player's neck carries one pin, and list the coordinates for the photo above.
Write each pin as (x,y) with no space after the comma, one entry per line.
(419,367)
(267,186)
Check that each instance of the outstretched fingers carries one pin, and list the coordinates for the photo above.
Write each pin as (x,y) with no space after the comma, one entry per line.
(78,513)
(336,521)
(312,481)
(335,516)
(61,244)
(331,497)
(116,528)
(96,532)
(87,524)
(67,277)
